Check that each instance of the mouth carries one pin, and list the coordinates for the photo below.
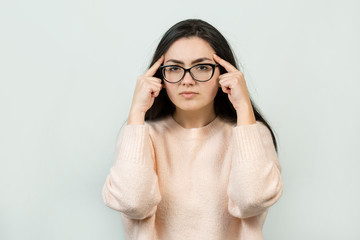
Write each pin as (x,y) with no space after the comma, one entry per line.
(188,94)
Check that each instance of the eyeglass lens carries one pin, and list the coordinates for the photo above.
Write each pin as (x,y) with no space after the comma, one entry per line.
(199,72)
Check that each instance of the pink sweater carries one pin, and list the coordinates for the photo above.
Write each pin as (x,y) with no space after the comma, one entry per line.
(215,182)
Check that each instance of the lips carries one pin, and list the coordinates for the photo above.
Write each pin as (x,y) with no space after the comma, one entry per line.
(188,94)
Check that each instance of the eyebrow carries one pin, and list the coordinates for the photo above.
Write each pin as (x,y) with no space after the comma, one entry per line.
(195,61)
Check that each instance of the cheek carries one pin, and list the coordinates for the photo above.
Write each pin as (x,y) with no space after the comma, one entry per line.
(215,86)
(170,90)
(212,85)
(216,77)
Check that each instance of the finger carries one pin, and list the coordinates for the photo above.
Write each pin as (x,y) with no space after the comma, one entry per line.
(156,91)
(225,89)
(152,70)
(227,75)
(143,78)
(225,85)
(226,80)
(154,87)
(156,94)
(225,64)
(155,80)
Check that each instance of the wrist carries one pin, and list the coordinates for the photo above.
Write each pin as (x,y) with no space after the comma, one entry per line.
(136,117)
(243,106)
(245,115)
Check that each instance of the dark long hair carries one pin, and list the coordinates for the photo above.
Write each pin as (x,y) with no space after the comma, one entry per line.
(163,106)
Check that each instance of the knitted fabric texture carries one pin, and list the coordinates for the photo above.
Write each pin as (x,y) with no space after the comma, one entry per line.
(210,183)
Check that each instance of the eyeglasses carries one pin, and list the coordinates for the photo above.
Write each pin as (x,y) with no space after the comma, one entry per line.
(200,72)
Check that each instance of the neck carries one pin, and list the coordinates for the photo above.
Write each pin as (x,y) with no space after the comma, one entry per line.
(194,119)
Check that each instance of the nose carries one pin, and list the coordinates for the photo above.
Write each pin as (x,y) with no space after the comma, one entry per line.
(188,79)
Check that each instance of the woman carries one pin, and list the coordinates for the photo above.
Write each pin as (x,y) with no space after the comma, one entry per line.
(196,160)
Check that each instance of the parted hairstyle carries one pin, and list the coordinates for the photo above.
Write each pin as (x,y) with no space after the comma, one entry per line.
(163,106)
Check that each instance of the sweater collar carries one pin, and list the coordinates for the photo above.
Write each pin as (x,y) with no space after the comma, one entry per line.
(193,133)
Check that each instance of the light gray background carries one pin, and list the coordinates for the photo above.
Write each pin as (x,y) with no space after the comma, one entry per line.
(68,70)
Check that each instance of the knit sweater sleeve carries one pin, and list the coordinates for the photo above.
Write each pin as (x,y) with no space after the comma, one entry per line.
(255,181)
(132,187)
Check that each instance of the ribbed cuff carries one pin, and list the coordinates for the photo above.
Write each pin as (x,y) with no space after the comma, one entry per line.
(133,144)
(248,145)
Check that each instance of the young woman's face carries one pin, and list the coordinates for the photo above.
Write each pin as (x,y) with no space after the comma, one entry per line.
(184,52)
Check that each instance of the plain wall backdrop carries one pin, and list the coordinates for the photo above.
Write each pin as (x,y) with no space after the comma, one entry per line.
(68,71)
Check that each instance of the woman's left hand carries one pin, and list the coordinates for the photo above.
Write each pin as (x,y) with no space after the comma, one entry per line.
(233,83)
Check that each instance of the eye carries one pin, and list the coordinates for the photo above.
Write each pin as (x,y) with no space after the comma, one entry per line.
(174,68)
(203,67)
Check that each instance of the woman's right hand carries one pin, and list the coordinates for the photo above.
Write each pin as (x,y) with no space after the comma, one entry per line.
(146,90)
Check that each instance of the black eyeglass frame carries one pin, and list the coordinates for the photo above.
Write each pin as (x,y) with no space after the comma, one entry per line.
(188,70)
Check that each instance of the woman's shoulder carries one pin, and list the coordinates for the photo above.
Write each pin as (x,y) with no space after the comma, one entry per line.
(159,124)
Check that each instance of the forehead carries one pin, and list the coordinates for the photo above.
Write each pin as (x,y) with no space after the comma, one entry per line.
(188,49)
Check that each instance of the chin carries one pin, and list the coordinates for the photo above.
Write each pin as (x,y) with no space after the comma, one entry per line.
(189,107)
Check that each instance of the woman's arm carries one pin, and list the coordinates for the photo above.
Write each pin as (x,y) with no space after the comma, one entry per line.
(132,187)
(255,181)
